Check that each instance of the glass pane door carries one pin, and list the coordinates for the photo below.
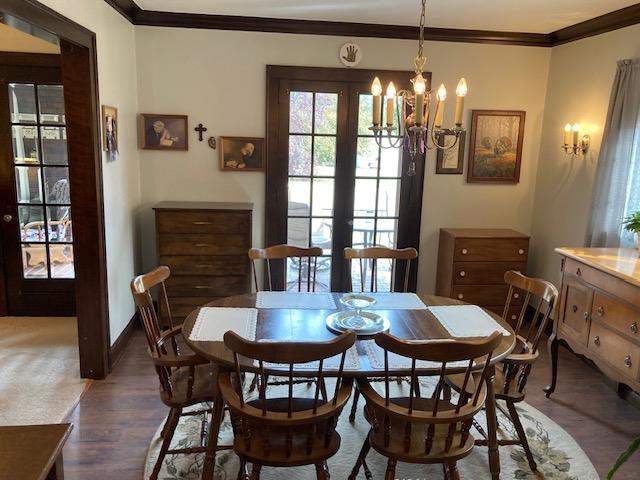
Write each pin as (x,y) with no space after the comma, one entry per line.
(312,142)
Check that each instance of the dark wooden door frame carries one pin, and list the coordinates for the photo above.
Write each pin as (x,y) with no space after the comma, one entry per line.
(276,191)
(80,79)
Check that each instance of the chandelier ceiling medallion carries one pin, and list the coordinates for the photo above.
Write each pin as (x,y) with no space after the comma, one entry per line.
(406,122)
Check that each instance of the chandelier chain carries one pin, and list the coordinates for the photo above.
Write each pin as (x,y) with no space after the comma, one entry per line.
(420,59)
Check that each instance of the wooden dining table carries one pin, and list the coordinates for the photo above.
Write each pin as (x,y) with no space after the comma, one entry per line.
(304,324)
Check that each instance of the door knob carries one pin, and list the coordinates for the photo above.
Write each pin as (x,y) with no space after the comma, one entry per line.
(350,223)
(7,218)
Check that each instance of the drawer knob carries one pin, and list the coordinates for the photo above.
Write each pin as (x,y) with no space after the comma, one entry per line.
(460,296)
(516,295)
(463,273)
(579,272)
(596,341)
(627,361)
(521,251)
(514,317)
(586,316)
(600,311)
(575,308)
(202,287)
(202,223)
(464,251)
(634,328)
(200,245)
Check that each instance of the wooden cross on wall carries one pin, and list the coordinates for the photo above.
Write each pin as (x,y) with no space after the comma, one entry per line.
(200,129)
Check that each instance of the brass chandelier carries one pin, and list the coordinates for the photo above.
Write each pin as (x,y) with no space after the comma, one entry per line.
(411,118)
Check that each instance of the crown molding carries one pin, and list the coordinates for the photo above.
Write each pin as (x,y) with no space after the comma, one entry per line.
(604,23)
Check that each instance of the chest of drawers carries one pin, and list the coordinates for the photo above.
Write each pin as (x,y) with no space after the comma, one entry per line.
(205,246)
(472,263)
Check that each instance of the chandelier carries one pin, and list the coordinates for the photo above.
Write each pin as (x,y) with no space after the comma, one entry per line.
(412,116)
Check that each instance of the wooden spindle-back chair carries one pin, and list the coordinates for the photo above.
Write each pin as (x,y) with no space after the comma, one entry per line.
(371,255)
(186,379)
(307,259)
(513,372)
(421,430)
(285,430)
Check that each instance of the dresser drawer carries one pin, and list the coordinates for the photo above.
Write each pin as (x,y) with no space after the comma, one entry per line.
(206,265)
(201,286)
(615,314)
(484,273)
(491,249)
(202,222)
(485,294)
(203,244)
(603,281)
(617,351)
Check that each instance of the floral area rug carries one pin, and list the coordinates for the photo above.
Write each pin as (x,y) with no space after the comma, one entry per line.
(557,454)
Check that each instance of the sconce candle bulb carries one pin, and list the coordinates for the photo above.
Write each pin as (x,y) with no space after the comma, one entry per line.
(576,134)
(567,134)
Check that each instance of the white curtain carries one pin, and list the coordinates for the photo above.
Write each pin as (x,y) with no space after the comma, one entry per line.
(617,188)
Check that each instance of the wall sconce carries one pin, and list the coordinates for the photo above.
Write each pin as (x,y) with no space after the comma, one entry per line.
(572,142)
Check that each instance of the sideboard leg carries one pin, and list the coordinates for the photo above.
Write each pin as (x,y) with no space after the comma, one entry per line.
(553,354)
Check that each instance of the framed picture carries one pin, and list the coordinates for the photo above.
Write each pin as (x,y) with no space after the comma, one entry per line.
(110,131)
(450,161)
(163,132)
(495,150)
(242,154)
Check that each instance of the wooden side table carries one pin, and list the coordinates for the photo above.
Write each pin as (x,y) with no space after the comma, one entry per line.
(33,452)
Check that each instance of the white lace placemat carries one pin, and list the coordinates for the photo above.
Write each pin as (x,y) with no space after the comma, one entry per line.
(311,300)
(397,301)
(351,360)
(467,321)
(376,359)
(213,322)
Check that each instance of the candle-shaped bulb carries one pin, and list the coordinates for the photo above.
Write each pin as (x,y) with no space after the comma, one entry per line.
(461,89)
(567,128)
(442,93)
(567,134)
(576,127)
(391,90)
(391,100)
(419,85)
(376,87)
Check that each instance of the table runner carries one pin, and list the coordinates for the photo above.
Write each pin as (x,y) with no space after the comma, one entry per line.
(466,321)
(213,322)
(310,300)
(397,301)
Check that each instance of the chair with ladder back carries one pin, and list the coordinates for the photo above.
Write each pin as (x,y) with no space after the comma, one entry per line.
(306,260)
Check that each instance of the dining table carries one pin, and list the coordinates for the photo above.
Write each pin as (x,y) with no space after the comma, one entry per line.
(308,324)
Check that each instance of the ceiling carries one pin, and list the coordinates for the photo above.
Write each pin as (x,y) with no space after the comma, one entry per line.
(12,40)
(534,16)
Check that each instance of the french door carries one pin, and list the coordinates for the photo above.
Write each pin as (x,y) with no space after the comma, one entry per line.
(36,232)
(329,183)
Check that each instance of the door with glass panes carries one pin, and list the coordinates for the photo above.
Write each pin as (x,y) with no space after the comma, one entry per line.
(37,228)
(330,184)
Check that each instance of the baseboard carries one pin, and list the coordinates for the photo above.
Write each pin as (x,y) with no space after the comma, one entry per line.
(117,349)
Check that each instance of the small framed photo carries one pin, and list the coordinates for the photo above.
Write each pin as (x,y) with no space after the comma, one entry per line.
(450,161)
(495,148)
(163,132)
(242,154)
(110,131)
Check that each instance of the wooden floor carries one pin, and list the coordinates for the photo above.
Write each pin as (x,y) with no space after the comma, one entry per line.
(118,416)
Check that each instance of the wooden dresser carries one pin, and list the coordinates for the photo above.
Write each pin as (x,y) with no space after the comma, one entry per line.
(472,263)
(205,245)
(599,313)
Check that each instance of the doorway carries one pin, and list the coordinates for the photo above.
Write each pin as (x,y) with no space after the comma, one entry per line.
(36,232)
(330,184)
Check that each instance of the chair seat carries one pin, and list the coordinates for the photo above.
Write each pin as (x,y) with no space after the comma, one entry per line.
(416,452)
(205,379)
(268,445)
(456,381)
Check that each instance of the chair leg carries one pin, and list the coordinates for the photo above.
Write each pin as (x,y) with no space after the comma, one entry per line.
(242,472)
(515,418)
(217,416)
(322,471)
(391,470)
(255,471)
(453,472)
(366,446)
(170,425)
(354,405)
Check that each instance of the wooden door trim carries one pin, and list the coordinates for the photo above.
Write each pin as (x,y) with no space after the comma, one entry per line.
(80,80)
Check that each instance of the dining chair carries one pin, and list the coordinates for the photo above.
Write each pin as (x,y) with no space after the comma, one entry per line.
(306,260)
(512,373)
(371,256)
(285,429)
(426,430)
(186,379)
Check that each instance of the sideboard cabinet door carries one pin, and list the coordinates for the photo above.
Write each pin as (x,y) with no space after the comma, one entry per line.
(575,311)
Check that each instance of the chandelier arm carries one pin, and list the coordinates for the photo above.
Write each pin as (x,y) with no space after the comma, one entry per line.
(434,140)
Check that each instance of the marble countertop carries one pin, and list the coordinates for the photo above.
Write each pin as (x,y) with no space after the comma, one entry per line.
(623,263)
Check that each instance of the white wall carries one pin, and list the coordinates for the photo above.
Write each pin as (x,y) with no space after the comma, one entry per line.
(580,80)
(117,83)
(218,78)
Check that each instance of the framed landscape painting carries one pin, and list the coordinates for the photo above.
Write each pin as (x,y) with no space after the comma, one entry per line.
(495,149)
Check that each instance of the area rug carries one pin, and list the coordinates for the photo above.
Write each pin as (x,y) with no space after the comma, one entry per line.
(557,454)
(39,369)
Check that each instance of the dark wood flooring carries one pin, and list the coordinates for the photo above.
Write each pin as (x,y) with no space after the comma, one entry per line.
(117,417)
